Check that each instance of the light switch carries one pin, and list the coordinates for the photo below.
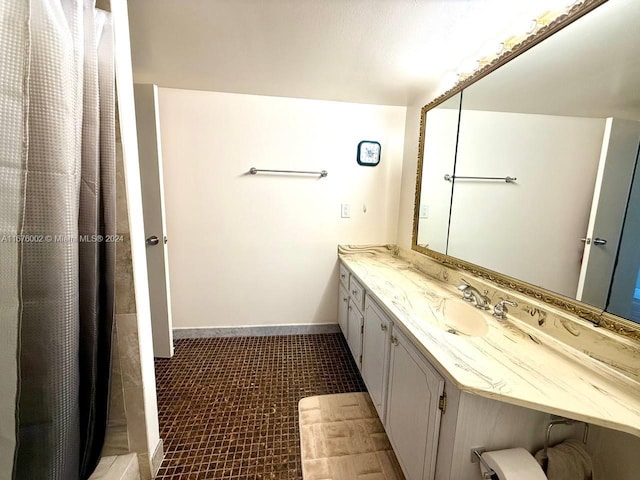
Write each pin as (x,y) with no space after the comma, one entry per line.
(346,210)
(424,211)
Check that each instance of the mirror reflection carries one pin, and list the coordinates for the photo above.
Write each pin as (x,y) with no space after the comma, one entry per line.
(439,153)
(564,120)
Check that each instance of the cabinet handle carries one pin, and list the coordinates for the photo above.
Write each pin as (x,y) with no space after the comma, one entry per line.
(344,299)
(355,292)
(383,327)
(349,307)
(342,275)
(394,340)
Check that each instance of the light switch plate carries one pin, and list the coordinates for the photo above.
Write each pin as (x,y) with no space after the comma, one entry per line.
(345,211)
(424,211)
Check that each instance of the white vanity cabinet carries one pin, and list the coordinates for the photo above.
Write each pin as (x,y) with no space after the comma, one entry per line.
(375,353)
(432,434)
(413,409)
(350,317)
(405,389)
(343,311)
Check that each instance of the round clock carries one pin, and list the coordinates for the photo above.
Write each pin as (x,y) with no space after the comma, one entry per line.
(369,153)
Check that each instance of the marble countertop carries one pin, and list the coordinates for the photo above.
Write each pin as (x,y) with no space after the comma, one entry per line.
(511,362)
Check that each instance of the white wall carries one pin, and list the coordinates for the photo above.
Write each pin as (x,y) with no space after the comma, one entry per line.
(530,229)
(262,250)
(409,169)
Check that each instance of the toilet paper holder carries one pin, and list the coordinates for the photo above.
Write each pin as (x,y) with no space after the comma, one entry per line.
(490,474)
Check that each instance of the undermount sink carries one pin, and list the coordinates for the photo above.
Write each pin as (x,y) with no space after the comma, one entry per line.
(459,317)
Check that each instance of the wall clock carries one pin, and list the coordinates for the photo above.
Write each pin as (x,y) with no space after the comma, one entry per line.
(369,153)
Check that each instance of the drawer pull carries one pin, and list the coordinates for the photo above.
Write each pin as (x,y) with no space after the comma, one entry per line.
(355,292)
(394,340)
(383,327)
(342,275)
(344,299)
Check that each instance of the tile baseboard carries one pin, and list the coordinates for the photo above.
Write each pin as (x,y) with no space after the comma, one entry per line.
(156,458)
(255,331)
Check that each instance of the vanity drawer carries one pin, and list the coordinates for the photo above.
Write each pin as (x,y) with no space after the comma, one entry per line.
(344,276)
(356,291)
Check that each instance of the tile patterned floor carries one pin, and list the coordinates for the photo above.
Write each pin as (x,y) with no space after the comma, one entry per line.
(228,406)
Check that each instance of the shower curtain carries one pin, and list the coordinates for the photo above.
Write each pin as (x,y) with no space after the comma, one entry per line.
(57,221)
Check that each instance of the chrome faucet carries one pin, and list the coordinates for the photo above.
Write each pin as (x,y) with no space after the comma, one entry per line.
(471,293)
(500,310)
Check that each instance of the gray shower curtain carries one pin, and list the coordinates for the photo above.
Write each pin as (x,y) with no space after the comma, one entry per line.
(57,221)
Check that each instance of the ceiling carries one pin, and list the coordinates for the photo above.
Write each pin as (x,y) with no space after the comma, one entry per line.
(388,52)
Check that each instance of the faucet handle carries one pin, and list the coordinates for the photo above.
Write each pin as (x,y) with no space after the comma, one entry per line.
(466,284)
(500,310)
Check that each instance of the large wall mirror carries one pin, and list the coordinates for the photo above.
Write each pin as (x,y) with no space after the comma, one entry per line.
(530,176)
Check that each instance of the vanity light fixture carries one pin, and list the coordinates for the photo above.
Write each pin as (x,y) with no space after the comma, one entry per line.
(369,153)
(520,31)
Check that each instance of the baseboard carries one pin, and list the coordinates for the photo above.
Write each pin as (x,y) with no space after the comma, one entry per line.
(156,458)
(255,331)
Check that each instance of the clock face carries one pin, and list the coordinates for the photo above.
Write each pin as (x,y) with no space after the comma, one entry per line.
(369,153)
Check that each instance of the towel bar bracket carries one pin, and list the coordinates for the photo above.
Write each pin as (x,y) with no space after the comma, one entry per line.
(555,420)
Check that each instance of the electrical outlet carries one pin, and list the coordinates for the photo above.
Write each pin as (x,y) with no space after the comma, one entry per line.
(345,211)
(424,211)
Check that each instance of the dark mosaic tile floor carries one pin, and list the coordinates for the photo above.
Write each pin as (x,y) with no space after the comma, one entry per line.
(228,407)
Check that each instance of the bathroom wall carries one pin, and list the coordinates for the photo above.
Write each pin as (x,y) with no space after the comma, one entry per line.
(261,250)
(408,177)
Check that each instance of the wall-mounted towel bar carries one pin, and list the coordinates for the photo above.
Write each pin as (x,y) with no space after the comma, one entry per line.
(544,458)
(450,178)
(322,173)
(563,421)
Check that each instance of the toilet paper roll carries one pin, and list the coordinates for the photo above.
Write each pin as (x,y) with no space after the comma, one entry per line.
(513,464)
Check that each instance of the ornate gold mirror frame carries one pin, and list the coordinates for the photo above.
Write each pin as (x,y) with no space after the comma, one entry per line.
(595,315)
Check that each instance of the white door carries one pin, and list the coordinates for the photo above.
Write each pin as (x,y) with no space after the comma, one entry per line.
(375,354)
(413,414)
(150,153)
(611,193)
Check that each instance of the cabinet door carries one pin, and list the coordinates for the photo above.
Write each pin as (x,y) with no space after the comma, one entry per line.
(354,337)
(343,311)
(375,354)
(413,414)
